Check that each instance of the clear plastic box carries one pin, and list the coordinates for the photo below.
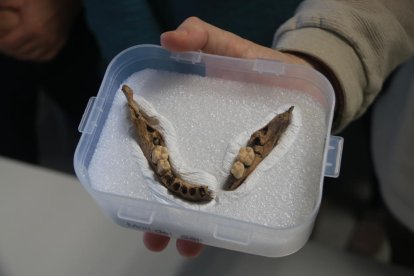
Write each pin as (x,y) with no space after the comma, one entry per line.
(206,227)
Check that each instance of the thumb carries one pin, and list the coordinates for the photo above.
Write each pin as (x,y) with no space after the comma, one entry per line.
(194,34)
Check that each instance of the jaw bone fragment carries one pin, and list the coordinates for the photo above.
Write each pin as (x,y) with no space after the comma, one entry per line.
(260,144)
(153,146)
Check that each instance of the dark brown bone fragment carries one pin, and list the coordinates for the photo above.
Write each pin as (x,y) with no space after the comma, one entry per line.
(148,138)
(262,141)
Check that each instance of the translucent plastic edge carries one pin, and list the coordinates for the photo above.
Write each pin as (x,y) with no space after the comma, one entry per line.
(304,71)
(86,137)
(91,115)
(334,155)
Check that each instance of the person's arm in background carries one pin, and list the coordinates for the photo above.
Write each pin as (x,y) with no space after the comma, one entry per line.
(356,44)
(35,30)
(361,42)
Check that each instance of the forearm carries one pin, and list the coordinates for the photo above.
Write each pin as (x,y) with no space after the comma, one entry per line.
(359,42)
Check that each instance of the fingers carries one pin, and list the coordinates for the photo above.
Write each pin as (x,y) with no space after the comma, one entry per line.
(155,242)
(194,34)
(188,248)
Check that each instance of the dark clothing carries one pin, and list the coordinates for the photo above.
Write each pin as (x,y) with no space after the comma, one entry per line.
(142,21)
(69,79)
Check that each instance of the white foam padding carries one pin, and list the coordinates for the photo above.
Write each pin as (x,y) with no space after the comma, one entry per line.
(208,120)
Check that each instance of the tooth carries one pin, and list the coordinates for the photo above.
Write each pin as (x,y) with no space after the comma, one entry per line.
(237,170)
(246,155)
(159,153)
(163,166)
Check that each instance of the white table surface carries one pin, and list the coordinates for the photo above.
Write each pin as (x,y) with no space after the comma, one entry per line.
(49,225)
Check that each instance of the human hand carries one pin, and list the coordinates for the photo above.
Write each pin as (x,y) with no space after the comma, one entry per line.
(157,243)
(35,30)
(194,35)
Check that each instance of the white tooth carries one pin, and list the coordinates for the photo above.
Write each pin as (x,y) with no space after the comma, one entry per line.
(159,153)
(237,170)
(246,156)
(163,166)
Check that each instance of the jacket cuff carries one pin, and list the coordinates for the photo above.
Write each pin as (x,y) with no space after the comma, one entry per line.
(339,58)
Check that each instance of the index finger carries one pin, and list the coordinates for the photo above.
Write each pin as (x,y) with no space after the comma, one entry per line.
(155,242)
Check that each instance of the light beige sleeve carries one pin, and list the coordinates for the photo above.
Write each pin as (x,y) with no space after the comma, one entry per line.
(361,42)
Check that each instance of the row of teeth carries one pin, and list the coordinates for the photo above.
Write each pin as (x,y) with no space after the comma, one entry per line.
(245,158)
